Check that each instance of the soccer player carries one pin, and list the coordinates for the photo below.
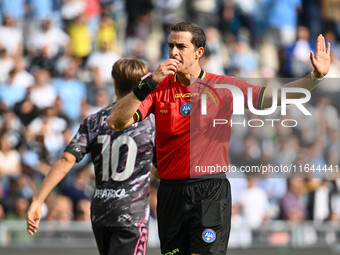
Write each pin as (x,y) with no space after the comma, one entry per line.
(193,213)
(122,162)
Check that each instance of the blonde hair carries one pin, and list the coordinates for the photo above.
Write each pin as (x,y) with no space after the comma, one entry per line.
(127,73)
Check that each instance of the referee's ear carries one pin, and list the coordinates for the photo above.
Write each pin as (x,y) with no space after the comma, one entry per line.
(199,53)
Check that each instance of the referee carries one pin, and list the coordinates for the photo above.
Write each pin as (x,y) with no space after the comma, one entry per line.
(193,213)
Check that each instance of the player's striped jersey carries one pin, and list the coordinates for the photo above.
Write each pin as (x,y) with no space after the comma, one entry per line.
(122,162)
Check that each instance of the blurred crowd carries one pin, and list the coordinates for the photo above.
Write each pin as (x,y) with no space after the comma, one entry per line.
(55,70)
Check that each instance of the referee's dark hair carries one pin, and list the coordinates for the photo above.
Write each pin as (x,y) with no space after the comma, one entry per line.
(127,72)
(198,36)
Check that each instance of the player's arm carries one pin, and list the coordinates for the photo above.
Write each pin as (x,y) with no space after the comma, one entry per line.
(123,113)
(54,176)
(321,63)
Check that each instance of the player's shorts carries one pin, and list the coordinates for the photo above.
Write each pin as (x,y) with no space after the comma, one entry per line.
(121,241)
(194,216)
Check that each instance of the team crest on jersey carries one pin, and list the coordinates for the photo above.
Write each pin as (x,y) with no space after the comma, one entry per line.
(186,109)
(208,235)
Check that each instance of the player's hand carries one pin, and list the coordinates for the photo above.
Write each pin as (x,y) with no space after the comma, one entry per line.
(33,217)
(322,59)
(164,69)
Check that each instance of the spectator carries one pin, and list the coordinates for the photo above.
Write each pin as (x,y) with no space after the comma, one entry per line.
(80,38)
(297,56)
(330,14)
(320,202)
(48,37)
(13,8)
(21,78)
(107,33)
(251,153)
(12,125)
(240,232)
(11,37)
(11,94)
(311,17)
(214,53)
(79,188)
(287,150)
(60,209)
(26,110)
(101,100)
(10,159)
(71,90)
(43,93)
(293,207)
(253,202)
(6,65)
(252,15)
(282,21)
(20,209)
(275,186)
(43,61)
(138,18)
(203,12)
(243,60)
(70,10)
(100,63)
(40,9)
(50,128)
(92,11)
(169,12)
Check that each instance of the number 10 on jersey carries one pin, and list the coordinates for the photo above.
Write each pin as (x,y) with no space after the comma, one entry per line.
(112,152)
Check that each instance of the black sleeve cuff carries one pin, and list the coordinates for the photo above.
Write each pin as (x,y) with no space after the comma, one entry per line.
(261,98)
(139,116)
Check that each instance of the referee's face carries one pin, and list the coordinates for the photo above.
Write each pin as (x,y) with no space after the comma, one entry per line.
(181,49)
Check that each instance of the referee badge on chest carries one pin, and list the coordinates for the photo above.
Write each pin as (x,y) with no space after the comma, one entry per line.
(186,109)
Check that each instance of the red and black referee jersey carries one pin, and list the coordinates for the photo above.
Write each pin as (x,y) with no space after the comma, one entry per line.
(168,103)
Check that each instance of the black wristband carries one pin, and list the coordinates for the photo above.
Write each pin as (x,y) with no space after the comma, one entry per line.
(144,88)
(140,94)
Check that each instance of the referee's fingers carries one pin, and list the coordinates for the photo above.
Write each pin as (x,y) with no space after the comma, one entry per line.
(173,67)
(169,67)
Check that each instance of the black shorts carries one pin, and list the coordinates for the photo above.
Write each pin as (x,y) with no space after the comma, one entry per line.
(194,216)
(121,241)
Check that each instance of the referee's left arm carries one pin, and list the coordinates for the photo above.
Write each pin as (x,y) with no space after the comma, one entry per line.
(321,62)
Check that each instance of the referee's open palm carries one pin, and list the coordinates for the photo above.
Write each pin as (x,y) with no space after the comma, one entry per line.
(322,60)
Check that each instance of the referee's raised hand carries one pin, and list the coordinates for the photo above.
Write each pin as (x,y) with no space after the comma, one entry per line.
(322,59)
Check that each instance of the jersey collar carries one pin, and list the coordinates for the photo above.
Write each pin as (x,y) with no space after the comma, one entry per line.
(200,76)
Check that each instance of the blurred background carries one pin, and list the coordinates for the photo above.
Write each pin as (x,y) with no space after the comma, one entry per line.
(55,65)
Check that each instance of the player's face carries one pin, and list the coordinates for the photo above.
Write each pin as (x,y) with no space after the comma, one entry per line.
(182,49)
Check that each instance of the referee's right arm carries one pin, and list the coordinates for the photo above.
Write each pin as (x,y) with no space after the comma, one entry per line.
(123,113)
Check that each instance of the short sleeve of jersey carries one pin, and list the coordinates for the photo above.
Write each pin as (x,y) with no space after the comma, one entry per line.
(257,93)
(79,144)
(146,107)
